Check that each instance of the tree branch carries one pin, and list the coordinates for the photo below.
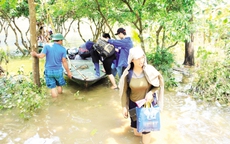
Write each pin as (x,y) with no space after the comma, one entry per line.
(172,45)
(103,16)
(157,35)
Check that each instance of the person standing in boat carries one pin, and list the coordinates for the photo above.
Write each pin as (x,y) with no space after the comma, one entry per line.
(107,62)
(122,50)
(140,81)
(55,55)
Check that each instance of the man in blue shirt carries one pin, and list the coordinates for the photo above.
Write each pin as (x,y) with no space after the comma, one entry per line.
(122,50)
(55,55)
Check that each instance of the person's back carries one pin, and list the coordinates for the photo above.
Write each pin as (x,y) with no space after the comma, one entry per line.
(122,47)
(106,61)
(56,60)
(54,54)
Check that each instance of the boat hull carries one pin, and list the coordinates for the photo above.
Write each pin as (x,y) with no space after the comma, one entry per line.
(83,72)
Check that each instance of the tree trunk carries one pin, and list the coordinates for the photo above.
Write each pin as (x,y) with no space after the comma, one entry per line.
(33,42)
(142,41)
(189,52)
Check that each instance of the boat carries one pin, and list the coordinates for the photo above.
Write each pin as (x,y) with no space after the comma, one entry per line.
(83,72)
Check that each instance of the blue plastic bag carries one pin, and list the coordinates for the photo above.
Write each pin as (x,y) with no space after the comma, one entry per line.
(148,119)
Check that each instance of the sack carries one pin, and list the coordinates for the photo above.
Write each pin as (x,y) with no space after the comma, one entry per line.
(71,53)
(148,119)
(83,52)
(85,55)
(104,48)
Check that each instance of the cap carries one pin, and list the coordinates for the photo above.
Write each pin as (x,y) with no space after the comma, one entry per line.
(58,36)
(121,30)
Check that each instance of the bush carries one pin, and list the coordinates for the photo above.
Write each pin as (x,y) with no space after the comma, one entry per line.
(21,93)
(213,79)
(163,61)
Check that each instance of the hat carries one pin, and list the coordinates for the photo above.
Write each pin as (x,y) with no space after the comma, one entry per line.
(121,30)
(136,53)
(58,36)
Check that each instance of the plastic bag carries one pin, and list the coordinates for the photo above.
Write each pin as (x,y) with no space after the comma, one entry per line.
(148,119)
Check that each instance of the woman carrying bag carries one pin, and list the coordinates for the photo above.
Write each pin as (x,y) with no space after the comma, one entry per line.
(142,83)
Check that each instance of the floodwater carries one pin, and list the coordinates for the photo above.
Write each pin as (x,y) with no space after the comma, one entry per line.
(94,117)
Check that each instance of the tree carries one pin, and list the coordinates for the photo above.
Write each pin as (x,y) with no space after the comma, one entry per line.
(189,42)
(189,52)
(10,10)
(33,41)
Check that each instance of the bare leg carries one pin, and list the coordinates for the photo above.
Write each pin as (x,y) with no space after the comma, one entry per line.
(59,88)
(113,81)
(136,133)
(53,92)
(146,138)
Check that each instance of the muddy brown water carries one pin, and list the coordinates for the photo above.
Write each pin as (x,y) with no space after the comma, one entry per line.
(94,117)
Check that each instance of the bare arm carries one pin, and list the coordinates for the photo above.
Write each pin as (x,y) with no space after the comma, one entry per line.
(149,95)
(40,55)
(65,65)
(124,100)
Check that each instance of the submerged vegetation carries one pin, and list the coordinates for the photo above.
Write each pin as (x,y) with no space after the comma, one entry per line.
(20,93)
(212,83)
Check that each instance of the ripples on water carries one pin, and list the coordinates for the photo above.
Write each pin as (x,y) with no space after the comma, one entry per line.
(199,123)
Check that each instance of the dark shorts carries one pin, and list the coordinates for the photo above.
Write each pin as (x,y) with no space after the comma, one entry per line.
(107,63)
(134,123)
(54,78)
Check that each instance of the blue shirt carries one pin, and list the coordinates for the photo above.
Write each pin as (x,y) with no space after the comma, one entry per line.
(89,45)
(54,53)
(124,45)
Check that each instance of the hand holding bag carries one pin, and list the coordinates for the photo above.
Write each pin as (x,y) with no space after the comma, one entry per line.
(148,119)
(140,103)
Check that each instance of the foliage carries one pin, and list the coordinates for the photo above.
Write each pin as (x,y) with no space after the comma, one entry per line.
(212,20)
(20,93)
(3,56)
(16,8)
(163,61)
(213,78)
(8,4)
(173,16)
(143,16)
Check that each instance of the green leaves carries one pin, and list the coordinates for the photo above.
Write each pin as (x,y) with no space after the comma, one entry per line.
(8,4)
(163,60)
(20,93)
(212,83)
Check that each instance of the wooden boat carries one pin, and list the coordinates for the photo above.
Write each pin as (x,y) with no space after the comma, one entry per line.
(83,72)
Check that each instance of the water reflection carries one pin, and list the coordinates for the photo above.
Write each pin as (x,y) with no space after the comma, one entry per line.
(94,117)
